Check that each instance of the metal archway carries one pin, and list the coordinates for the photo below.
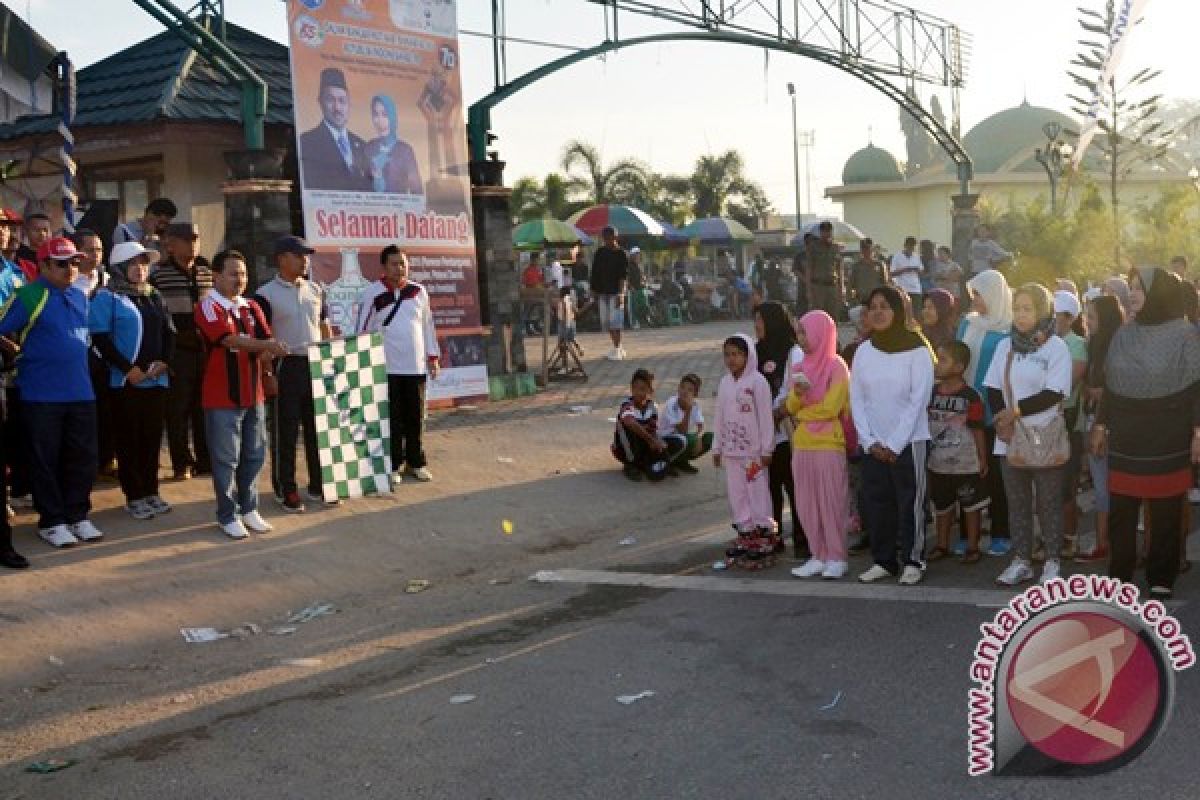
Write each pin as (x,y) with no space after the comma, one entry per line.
(479,114)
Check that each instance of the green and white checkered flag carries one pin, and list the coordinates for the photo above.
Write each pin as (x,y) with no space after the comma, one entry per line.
(350,405)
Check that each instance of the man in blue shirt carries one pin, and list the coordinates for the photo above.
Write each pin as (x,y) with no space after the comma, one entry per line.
(48,319)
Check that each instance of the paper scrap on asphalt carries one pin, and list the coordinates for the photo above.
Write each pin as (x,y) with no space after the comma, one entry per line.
(627,541)
(301,662)
(505,460)
(416,585)
(630,699)
(311,613)
(199,635)
(837,698)
(575,410)
(459,699)
(507,527)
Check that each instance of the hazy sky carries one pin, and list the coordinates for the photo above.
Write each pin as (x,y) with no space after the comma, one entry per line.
(668,104)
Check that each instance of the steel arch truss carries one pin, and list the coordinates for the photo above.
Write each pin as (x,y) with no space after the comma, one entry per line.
(885,45)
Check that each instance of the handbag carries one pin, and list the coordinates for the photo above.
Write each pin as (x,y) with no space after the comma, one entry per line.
(1036,446)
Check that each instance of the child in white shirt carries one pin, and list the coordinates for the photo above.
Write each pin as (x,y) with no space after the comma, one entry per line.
(681,425)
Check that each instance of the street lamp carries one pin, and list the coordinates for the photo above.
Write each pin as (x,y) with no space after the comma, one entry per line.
(791,87)
(1052,158)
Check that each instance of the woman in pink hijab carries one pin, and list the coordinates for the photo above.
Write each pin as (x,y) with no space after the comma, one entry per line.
(819,402)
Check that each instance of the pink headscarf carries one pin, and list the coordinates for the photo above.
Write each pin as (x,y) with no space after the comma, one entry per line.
(822,365)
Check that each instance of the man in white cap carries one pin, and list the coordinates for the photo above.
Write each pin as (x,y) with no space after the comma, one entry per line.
(1066,312)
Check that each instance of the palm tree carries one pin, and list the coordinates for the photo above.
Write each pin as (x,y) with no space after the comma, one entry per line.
(532,199)
(719,186)
(600,184)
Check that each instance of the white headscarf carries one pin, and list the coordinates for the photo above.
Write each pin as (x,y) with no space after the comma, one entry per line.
(993,288)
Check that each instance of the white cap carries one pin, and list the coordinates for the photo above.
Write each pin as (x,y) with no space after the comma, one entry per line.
(633,251)
(125,251)
(1066,303)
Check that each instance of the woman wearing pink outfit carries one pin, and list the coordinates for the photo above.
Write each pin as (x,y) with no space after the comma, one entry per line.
(819,401)
(745,439)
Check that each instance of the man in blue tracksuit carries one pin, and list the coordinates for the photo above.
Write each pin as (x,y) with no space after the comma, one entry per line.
(48,319)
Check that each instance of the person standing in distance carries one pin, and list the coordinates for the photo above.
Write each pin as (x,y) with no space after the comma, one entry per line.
(295,309)
(400,310)
(610,271)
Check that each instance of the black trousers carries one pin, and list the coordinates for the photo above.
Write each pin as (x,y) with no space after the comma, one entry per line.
(895,498)
(16,433)
(5,528)
(62,460)
(291,412)
(105,446)
(185,417)
(1163,519)
(138,414)
(406,402)
(998,510)
(779,479)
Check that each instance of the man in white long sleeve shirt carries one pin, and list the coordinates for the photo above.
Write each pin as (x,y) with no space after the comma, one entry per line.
(400,310)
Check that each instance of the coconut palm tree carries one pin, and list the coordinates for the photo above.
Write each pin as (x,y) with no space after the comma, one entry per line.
(532,199)
(599,183)
(719,186)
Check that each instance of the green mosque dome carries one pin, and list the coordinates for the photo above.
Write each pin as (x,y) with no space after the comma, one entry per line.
(871,165)
(1005,135)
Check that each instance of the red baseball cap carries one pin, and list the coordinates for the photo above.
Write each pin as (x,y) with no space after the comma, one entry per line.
(59,248)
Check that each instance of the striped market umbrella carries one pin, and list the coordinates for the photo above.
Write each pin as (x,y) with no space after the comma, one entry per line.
(843,232)
(539,233)
(717,230)
(626,220)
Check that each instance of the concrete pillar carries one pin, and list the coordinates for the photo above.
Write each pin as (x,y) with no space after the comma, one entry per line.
(256,208)
(964,219)
(499,280)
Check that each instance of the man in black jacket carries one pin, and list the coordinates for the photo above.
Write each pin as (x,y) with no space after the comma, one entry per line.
(331,157)
(610,271)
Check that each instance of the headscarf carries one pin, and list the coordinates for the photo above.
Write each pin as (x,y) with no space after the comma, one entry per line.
(1025,342)
(899,337)
(389,108)
(1164,296)
(774,350)
(1118,288)
(751,358)
(387,143)
(119,281)
(991,286)
(1109,318)
(1158,353)
(943,330)
(822,365)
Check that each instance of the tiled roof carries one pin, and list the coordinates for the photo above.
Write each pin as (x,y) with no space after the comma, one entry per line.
(162,78)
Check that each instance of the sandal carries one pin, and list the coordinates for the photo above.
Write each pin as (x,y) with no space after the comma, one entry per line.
(937,554)
(970,556)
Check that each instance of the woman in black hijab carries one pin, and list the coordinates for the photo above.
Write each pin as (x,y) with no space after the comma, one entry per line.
(777,350)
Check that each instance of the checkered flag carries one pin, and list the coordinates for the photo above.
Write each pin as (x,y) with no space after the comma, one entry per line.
(350,404)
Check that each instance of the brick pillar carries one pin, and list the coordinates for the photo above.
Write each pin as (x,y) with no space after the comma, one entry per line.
(964,220)
(498,279)
(256,208)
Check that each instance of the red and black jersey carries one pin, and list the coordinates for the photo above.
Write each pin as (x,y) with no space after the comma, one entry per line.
(231,377)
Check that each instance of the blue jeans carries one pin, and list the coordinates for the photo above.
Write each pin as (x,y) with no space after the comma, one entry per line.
(237,445)
(62,460)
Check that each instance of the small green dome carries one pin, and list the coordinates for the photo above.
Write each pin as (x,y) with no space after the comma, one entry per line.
(998,139)
(871,165)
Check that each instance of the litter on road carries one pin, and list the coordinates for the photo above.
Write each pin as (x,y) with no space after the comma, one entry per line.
(311,613)
(459,699)
(627,541)
(577,410)
(505,460)
(837,698)
(720,565)
(199,635)
(630,699)
(55,660)
(282,630)
(50,765)
(416,585)
(507,527)
(245,630)
(301,662)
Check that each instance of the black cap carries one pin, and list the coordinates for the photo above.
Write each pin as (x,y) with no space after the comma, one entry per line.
(292,244)
(183,230)
(332,77)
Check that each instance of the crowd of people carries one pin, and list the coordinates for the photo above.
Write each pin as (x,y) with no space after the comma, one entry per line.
(100,360)
(962,402)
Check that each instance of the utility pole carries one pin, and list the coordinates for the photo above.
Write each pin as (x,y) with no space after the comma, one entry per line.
(808,140)
(795,154)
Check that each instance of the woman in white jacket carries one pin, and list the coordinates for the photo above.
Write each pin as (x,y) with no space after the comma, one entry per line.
(890,386)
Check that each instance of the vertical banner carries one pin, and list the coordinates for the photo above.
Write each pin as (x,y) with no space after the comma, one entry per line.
(350,412)
(377,102)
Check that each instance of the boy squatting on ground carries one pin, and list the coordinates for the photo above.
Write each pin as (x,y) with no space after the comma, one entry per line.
(682,423)
(635,440)
(957,460)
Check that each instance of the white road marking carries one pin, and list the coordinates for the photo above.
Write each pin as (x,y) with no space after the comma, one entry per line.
(847,590)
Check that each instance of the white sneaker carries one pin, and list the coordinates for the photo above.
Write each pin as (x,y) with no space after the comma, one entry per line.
(834,570)
(422,474)
(621,354)
(911,576)
(59,536)
(156,504)
(85,531)
(235,529)
(614,354)
(318,497)
(397,477)
(256,523)
(875,573)
(810,569)
(1050,570)
(1018,571)
(139,509)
